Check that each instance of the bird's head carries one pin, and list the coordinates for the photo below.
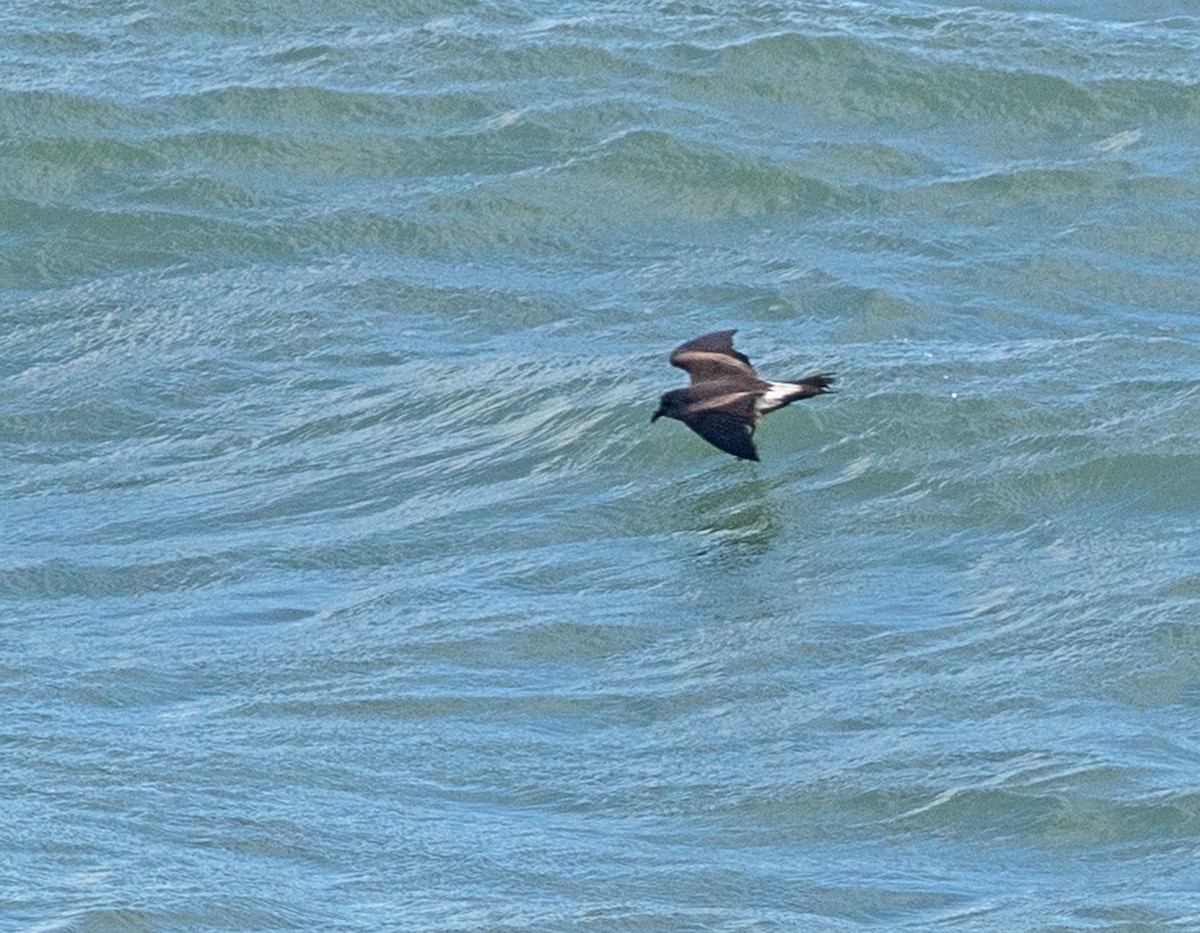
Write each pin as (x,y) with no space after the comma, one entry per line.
(670,404)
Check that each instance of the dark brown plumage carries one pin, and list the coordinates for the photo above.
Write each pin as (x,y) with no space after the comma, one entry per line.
(726,398)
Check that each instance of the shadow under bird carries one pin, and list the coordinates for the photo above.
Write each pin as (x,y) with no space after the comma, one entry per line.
(726,398)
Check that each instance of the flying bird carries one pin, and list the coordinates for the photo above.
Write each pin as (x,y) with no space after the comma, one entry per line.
(726,398)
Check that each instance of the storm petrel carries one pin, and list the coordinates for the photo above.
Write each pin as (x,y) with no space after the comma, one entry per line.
(726,398)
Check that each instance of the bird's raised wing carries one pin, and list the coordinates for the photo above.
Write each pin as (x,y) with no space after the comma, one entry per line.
(712,357)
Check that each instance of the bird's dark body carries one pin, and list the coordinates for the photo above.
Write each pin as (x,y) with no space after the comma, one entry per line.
(726,397)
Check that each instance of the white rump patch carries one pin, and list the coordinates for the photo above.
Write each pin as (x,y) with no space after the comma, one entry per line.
(776,396)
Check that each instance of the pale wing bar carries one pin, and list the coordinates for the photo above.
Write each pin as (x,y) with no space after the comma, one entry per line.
(712,356)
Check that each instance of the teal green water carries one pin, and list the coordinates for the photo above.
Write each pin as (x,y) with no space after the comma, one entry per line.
(345,584)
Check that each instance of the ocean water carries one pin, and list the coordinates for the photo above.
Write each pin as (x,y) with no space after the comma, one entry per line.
(345,585)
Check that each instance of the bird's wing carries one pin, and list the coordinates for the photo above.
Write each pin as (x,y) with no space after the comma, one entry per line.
(722,415)
(712,357)
(725,430)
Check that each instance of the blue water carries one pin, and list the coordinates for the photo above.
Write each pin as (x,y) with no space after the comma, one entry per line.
(345,585)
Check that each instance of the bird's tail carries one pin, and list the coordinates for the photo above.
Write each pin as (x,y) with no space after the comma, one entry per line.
(817,384)
(779,394)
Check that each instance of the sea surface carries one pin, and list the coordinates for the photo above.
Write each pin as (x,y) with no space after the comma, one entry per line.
(346,586)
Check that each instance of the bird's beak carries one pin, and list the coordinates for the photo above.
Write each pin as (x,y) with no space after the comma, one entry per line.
(654,417)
